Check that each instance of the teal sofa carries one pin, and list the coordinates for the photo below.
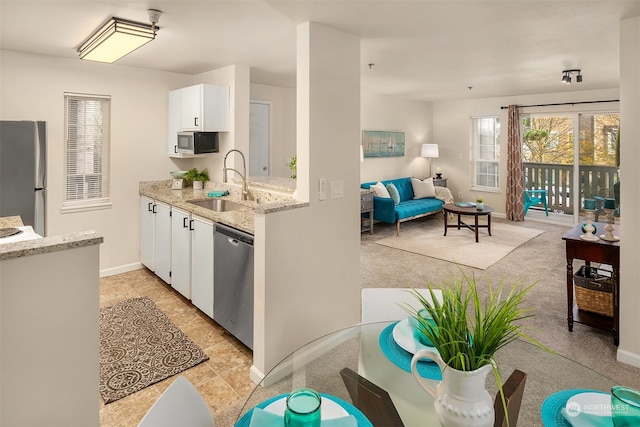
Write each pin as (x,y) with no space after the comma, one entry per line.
(385,210)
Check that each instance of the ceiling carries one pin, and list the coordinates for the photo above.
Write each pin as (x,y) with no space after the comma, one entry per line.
(420,49)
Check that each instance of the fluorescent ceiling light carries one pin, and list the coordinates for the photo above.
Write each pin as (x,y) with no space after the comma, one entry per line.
(117,38)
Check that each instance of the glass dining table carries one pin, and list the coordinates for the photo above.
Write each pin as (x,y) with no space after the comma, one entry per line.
(376,352)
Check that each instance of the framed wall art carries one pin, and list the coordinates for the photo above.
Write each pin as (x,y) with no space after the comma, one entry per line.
(382,143)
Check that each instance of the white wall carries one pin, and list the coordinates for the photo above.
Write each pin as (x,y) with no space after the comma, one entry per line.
(283,125)
(415,119)
(451,130)
(629,349)
(33,88)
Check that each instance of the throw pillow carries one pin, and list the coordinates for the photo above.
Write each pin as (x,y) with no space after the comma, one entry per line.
(422,189)
(393,192)
(380,190)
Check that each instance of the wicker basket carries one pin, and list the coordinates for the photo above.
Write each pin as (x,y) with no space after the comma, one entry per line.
(594,292)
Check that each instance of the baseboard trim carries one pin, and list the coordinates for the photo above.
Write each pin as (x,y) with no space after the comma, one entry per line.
(121,269)
(629,358)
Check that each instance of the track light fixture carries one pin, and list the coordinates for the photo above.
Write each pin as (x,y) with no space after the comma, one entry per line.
(566,76)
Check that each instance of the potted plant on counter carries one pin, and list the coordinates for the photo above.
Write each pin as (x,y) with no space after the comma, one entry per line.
(197,177)
(467,331)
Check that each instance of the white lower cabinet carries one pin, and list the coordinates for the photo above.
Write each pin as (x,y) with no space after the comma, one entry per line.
(202,264)
(155,237)
(178,248)
(181,252)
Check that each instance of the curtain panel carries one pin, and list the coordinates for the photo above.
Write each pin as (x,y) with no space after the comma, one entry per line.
(515,179)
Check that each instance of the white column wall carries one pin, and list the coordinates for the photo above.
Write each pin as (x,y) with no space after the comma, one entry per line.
(629,349)
(308,263)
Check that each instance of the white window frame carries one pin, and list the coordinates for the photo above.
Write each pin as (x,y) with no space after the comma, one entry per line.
(86,153)
(479,157)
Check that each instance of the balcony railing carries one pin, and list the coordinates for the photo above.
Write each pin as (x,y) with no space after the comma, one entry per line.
(558,181)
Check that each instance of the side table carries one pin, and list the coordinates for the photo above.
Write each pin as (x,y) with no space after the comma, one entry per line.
(366,206)
(600,251)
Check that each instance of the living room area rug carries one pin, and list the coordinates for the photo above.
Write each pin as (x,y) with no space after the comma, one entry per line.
(459,246)
(140,346)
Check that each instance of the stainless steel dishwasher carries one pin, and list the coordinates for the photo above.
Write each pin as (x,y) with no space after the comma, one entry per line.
(233,282)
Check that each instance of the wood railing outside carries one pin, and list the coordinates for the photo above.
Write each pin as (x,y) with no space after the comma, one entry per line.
(558,181)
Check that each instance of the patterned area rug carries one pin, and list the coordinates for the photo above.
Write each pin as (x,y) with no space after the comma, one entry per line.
(140,346)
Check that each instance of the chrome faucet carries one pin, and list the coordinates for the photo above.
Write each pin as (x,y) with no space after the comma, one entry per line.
(245,189)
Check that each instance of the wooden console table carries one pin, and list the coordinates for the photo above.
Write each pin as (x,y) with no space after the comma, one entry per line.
(600,251)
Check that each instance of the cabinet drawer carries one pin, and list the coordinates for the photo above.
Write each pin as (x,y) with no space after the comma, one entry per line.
(366,205)
(366,197)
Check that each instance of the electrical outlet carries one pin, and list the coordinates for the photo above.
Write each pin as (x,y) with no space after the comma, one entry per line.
(460,195)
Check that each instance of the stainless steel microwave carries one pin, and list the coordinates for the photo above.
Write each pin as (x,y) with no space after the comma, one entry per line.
(197,142)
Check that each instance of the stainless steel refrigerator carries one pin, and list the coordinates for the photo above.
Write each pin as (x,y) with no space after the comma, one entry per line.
(23,184)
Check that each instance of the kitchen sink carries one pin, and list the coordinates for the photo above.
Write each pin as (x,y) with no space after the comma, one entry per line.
(218,205)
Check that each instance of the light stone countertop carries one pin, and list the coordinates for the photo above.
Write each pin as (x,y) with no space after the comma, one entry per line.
(261,201)
(49,244)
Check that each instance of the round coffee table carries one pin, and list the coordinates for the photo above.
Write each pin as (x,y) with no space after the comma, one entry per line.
(471,211)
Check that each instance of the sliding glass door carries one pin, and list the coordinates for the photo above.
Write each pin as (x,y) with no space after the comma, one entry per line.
(571,172)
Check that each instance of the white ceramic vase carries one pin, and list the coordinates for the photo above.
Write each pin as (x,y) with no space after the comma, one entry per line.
(479,206)
(197,185)
(460,399)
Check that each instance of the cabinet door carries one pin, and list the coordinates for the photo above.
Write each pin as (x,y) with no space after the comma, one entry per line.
(215,108)
(191,108)
(146,232)
(181,252)
(162,241)
(202,265)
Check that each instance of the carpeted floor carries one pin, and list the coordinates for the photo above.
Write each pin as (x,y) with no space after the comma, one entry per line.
(540,260)
(140,346)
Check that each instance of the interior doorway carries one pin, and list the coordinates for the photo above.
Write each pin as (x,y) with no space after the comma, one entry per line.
(259,137)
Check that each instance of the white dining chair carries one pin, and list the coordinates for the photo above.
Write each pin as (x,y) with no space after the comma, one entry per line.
(179,405)
(385,304)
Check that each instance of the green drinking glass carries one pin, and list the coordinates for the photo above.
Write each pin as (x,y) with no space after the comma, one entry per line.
(625,406)
(303,408)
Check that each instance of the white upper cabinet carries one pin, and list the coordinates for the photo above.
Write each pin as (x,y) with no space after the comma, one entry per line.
(202,108)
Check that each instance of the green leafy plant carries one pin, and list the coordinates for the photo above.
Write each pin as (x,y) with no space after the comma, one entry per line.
(479,200)
(469,330)
(194,175)
(293,165)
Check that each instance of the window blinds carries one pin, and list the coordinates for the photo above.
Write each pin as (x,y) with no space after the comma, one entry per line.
(87,131)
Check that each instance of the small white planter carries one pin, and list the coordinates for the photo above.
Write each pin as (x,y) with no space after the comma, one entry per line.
(197,185)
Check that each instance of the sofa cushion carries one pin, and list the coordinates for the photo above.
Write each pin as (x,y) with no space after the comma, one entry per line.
(422,189)
(417,207)
(380,190)
(393,193)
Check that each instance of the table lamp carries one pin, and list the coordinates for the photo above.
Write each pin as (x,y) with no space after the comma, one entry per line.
(430,151)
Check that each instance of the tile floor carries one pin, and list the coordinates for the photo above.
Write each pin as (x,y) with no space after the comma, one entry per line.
(223,380)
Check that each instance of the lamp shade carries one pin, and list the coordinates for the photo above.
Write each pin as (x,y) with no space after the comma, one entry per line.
(430,150)
(115,39)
